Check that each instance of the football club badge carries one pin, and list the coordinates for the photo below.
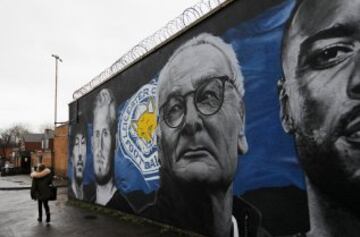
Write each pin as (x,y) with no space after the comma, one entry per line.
(136,131)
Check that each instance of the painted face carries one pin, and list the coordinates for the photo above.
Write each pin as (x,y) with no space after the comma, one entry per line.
(102,144)
(322,71)
(79,155)
(194,146)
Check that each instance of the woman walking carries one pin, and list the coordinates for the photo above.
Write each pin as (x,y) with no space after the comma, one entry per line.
(40,191)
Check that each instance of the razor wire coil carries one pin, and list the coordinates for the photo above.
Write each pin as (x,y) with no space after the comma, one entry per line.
(189,16)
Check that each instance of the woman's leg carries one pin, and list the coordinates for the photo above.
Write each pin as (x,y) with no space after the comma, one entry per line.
(40,210)
(47,210)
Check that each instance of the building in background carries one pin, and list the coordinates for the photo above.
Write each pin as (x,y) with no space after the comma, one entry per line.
(61,150)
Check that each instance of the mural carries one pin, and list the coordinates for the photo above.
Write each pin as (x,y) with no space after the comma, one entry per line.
(78,154)
(200,133)
(319,95)
(214,131)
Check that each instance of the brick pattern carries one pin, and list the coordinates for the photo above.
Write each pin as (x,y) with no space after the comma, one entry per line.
(61,150)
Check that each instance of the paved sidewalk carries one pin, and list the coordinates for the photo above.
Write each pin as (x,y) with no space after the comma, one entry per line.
(18,215)
(18,182)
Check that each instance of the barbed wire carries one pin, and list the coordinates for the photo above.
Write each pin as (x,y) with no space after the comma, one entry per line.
(189,16)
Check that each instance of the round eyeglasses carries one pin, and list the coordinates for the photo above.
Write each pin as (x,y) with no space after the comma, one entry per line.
(208,99)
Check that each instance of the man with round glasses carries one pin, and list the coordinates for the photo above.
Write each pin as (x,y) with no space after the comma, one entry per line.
(200,134)
(208,99)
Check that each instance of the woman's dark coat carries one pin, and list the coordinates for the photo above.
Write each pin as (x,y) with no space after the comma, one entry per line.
(40,188)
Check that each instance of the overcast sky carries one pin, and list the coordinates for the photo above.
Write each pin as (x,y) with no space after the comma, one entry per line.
(89,35)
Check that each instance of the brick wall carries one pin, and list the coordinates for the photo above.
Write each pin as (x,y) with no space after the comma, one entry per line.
(6,152)
(61,150)
(46,158)
(32,146)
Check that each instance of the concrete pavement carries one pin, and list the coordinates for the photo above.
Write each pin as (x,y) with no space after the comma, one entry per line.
(18,182)
(15,182)
(18,214)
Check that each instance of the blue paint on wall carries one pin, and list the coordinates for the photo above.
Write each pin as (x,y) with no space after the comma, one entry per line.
(271,160)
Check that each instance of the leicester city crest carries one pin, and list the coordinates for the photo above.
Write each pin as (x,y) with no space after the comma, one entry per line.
(136,129)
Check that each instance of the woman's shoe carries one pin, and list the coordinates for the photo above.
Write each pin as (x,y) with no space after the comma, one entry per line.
(48,218)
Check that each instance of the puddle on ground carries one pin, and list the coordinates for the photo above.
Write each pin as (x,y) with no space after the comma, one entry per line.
(90,217)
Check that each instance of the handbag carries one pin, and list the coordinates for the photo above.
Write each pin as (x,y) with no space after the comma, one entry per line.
(53,192)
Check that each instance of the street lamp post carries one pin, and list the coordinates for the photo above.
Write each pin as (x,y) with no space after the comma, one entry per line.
(57,58)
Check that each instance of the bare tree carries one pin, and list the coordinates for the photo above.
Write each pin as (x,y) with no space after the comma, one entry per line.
(11,137)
